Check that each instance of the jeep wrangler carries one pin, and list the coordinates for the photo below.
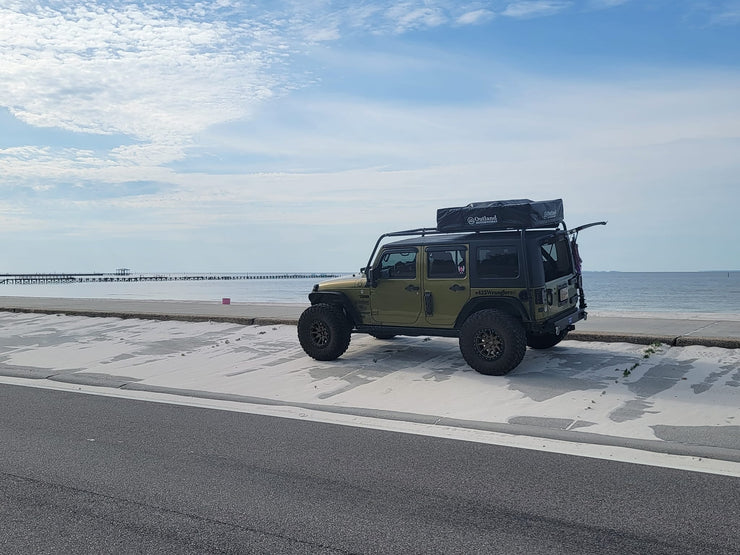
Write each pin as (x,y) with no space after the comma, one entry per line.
(499,275)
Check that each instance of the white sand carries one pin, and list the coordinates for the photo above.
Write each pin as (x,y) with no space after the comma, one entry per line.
(601,388)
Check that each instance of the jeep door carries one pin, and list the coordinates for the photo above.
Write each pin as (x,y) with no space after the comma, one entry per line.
(396,298)
(446,284)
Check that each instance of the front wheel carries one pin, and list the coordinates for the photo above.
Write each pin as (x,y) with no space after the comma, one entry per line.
(324,332)
(492,342)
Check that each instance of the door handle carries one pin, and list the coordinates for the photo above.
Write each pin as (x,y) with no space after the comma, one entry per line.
(412,288)
(456,287)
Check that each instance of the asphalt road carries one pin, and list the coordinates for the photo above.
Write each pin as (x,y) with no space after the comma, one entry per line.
(89,474)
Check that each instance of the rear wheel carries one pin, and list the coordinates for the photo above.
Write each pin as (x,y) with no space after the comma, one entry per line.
(545,340)
(492,342)
(324,331)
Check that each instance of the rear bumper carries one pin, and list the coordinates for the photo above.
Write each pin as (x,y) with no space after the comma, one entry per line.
(565,323)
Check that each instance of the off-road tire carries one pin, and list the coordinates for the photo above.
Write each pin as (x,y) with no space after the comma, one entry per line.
(545,341)
(324,331)
(492,342)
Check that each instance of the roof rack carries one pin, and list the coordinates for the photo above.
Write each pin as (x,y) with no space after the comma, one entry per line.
(498,215)
(422,231)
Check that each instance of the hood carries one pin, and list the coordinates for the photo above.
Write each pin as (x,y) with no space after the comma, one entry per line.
(345,282)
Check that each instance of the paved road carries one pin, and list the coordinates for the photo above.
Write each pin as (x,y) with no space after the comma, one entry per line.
(88,474)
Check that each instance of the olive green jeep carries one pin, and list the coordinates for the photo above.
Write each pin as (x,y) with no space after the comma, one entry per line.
(500,276)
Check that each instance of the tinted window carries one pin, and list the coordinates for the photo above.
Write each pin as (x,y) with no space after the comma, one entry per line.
(556,258)
(400,265)
(446,263)
(497,262)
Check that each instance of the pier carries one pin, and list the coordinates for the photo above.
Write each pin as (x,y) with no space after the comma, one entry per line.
(119,276)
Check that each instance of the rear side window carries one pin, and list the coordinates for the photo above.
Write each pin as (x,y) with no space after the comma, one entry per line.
(497,262)
(446,263)
(556,258)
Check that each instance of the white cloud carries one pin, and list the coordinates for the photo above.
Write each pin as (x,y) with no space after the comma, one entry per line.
(535,8)
(728,14)
(140,72)
(475,17)
(652,129)
(655,140)
(162,75)
(407,16)
(190,84)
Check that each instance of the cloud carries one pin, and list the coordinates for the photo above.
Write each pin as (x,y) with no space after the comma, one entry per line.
(207,104)
(378,154)
(161,74)
(138,71)
(535,8)
(397,163)
(407,16)
(475,17)
(727,14)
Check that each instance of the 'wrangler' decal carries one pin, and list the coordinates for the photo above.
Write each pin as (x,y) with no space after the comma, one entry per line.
(495,292)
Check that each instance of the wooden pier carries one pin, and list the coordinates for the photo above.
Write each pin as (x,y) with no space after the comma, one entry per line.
(26,279)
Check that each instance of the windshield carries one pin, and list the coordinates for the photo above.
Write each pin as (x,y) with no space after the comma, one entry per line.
(556,258)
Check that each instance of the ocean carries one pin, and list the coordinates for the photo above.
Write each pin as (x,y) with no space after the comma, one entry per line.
(685,292)
(607,292)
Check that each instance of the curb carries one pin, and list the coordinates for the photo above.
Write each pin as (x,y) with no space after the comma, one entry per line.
(242,320)
(640,339)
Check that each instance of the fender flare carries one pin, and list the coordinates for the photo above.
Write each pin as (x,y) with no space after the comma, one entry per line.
(510,305)
(336,298)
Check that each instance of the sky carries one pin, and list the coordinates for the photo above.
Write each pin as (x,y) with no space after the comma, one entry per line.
(287,135)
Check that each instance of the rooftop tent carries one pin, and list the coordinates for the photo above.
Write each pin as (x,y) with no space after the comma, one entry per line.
(501,214)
